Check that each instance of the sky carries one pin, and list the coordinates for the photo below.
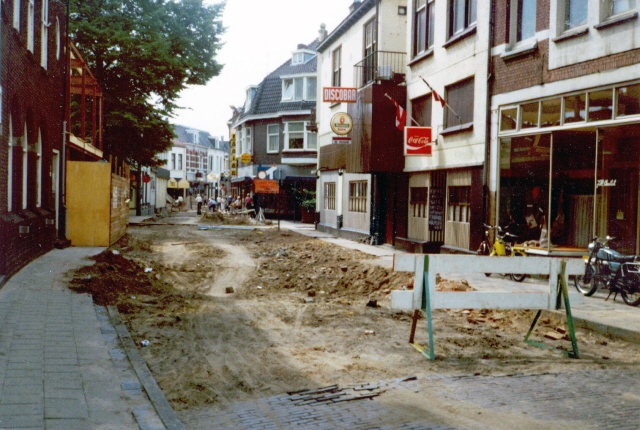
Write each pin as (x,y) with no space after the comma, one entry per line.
(260,36)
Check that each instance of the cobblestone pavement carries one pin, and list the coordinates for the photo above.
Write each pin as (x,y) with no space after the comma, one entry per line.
(594,399)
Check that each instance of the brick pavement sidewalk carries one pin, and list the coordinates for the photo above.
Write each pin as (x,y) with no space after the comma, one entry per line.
(62,365)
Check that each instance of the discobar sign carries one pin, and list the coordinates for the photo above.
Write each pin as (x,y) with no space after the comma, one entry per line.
(339,95)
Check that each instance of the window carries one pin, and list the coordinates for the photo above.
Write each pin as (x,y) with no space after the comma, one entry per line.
(628,100)
(297,89)
(462,15)
(31,12)
(369,71)
(336,78)
(10,164)
(421,110)
(44,34)
(618,6)
(38,155)
(273,137)
(575,13)
(458,209)
(179,161)
(246,146)
(550,112)
(358,196)
(574,108)
(173,161)
(423,27)
(58,39)
(530,115)
(600,105)
(16,14)
(524,20)
(418,202)
(25,168)
(460,98)
(508,118)
(330,196)
(297,137)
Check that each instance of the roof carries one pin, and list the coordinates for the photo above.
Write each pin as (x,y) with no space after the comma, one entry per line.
(268,97)
(186,136)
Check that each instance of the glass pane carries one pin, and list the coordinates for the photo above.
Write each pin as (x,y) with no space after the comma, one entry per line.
(299,88)
(431,23)
(574,108)
(288,90)
(273,128)
(458,15)
(273,143)
(526,19)
(473,6)
(529,115)
(575,13)
(312,141)
(600,105)
(629,100)
(550,112)
(311,88)
(296,126)
(508,119)
(619,6)
(296,141)
(421,31)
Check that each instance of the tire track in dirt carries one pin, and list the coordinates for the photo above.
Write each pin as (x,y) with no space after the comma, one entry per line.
(234,269)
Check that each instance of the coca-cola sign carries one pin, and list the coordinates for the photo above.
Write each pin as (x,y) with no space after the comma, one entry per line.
(417,141)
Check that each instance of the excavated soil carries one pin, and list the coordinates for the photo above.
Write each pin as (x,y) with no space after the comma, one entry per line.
(235,314)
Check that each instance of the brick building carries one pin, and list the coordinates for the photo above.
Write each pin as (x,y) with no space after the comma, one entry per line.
(32,80)
(565,121)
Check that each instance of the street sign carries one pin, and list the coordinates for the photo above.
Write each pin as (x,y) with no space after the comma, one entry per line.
(417,141)
(245,158)
(341,140)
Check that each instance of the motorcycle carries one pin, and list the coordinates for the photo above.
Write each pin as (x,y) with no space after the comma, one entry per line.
(617,272)
(502,247)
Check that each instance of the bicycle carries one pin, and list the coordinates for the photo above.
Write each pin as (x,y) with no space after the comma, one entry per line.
(503,246)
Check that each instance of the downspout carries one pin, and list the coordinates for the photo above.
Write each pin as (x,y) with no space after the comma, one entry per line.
(62,226)
(376,214)
(487,153)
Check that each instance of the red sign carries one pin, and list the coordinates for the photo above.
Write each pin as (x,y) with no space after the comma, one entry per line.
(339,95)
(265,186)
(417,141)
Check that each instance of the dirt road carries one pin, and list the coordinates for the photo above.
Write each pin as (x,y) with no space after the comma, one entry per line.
(301,315)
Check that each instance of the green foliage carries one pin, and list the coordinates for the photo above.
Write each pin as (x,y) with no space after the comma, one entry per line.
(143,53)
(306,199)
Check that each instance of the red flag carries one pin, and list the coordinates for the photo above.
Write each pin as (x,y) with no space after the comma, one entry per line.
(439,99)
(401,116)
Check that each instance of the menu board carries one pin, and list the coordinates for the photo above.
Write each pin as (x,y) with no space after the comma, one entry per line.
(436,208)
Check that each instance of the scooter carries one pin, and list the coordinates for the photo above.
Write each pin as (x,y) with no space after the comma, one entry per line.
(617,272)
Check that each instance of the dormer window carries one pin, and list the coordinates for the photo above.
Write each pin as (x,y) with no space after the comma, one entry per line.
(251,93)
(301,57)
(299,88)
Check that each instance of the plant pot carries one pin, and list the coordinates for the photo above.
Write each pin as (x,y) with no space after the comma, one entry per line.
(307,216)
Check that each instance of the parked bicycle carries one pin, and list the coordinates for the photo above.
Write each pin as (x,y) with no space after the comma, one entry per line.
(503,246)
(614,271)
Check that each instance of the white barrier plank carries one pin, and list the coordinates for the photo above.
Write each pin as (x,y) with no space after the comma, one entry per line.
(483,264)
(489,300)
(404,262)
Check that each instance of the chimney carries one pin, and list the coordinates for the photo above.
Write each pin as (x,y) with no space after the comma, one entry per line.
(355,5)
(301,46)
(323,32)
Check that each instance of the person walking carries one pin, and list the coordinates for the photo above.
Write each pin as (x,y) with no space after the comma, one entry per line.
(199,202)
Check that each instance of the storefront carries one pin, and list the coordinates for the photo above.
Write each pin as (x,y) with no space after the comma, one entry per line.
(569,169)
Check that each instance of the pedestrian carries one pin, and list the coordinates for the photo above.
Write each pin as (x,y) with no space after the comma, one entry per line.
(199,202)
(220,204)
(211,205)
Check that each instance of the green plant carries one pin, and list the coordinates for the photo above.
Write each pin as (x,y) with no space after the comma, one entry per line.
(307,199)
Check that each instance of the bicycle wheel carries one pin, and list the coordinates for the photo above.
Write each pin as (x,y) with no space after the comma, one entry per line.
(587,284)
(518,277)
(631,290)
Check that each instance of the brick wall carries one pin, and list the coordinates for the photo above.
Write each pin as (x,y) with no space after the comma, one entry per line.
(35,97)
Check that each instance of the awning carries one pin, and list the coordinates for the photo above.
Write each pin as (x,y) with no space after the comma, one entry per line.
(242,179)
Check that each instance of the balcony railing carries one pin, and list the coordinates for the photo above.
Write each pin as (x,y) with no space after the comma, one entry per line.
(380,65)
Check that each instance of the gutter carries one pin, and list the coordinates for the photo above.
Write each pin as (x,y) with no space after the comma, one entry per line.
(487,150)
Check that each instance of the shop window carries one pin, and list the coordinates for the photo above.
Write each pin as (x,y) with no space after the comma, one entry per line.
(421,110)
(418,202)
(574,108)
(459,204)
(530,115)
(330,196)
(600,105)
(575,13)
(628,100)
(460,98)
(550,112)
(508,119)
(358,196)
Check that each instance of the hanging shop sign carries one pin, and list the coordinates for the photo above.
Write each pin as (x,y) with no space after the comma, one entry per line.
(339,95)
(417,141)
(266,186)
(341,123)
(341,140)
(245,158)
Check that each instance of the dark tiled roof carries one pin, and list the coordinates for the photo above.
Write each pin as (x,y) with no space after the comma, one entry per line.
(204,138)
(268,97)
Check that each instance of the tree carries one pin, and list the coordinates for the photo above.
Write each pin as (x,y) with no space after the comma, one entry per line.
(143,53)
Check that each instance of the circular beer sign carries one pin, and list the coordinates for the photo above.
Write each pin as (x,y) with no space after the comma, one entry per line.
(341,123)
(245,158)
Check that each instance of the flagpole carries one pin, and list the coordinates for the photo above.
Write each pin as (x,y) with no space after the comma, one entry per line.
(445,102)
(410,116)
